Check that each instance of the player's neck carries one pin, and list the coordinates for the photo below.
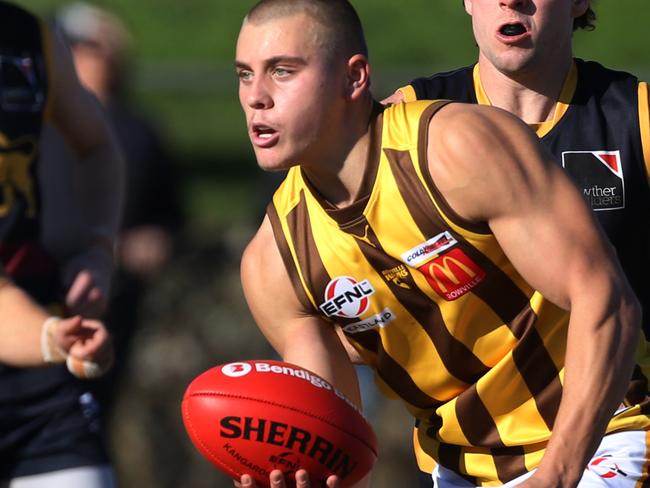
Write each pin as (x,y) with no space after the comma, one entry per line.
(529,94)
(339,173)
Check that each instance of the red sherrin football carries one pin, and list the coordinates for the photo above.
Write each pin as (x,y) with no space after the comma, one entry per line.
(255,416)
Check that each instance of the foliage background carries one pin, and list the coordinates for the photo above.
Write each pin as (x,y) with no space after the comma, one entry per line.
(194,315)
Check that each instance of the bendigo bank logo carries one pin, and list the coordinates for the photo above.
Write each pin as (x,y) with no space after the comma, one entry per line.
(346,297)
(452,274)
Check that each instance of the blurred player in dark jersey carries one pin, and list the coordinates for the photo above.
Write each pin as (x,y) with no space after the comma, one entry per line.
(49,430)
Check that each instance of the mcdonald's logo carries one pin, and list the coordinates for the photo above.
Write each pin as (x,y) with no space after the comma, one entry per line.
(453,274)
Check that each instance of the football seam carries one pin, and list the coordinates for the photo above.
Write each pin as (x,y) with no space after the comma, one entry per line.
(298,410)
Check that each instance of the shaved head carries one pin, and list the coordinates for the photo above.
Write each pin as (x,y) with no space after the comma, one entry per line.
(339,32)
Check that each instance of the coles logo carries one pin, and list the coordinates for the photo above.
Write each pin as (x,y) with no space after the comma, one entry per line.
(236,370)
(429,249)
(346,297)
(453,274)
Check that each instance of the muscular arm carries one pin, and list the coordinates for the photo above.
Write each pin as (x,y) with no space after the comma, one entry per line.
(298,336)
(98,178)
(497,172)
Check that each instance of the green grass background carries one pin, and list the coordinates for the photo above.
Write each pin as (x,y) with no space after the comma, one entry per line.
(182,74)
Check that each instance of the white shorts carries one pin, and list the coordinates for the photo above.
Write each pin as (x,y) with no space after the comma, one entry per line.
(619,462)
(83,477)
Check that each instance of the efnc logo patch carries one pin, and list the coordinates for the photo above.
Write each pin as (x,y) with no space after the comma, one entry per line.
(599,176)
(346,297)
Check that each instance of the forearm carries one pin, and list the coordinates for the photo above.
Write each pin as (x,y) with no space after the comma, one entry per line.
(21,320)
(599,360)
(100,188)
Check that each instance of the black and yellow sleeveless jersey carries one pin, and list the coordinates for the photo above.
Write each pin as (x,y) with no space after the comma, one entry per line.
(22,105)
(432,304)
(600,134)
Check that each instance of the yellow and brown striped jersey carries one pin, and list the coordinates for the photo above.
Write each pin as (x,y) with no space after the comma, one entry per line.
(432,304)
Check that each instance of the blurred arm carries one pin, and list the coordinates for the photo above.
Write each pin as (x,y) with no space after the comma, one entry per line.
(99,180)
(31,338)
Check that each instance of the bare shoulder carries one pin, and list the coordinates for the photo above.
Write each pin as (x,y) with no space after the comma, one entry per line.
(261,256)
(265,280)
(476,153)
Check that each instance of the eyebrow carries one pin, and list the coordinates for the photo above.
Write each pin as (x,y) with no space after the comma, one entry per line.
(276,60)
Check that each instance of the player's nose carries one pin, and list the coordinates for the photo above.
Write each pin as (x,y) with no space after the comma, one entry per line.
(258,95)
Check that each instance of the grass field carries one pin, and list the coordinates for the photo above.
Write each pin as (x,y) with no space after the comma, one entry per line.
(182,72)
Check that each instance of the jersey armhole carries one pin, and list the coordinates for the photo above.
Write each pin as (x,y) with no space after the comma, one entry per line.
(287,257)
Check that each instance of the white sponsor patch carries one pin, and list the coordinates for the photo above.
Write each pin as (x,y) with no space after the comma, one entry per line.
(380,320)
(429,249)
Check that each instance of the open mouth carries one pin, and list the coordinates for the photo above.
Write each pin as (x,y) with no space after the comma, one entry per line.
(263,135)
(512,30)
(263,132)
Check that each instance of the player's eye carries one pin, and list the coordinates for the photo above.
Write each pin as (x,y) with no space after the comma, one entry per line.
(244,74)
(280,72)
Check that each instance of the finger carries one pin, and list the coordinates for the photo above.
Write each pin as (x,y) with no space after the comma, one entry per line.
(66,332)
(79,289)
(246,481)
(302,479)
(276,479)
(332,482)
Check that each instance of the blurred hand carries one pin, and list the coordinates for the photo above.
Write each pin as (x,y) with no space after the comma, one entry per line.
(85,345)
(144,249)
(87,277)
(276,480)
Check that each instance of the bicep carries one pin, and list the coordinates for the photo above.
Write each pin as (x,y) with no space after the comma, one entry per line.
(539,218)
(552,238)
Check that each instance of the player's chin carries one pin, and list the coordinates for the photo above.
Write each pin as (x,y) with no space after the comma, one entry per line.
(268,161)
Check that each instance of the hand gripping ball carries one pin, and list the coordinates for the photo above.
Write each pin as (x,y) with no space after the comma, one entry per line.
(252,417)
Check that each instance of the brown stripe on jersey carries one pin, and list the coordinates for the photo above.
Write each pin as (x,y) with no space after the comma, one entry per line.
(475,421)
(285,252)
(392,373)
(318,278)
(423,144)
(498,291)
(509,462)
(456,356)
(449,457)
(539,372)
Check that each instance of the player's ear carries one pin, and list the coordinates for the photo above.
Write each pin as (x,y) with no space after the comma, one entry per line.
(467,4)
(358,76)
(580,7)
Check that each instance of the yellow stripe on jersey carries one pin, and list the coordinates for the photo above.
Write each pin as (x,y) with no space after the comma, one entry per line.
(408,92)
(446,322)
(644,122)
